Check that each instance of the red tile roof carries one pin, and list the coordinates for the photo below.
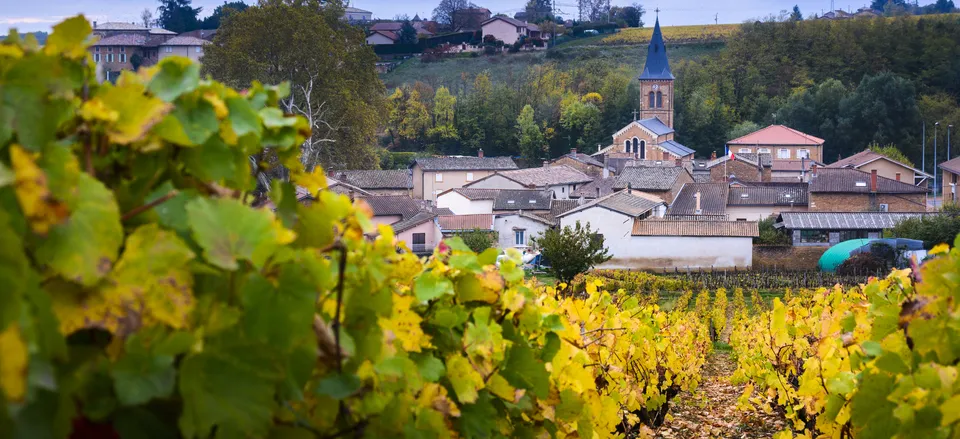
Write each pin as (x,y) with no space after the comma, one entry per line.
(777,135)
(482,221)
(745,229)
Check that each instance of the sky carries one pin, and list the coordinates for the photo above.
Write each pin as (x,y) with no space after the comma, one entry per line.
(34,15)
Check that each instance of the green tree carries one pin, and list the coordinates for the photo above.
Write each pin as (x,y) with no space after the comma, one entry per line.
(478,240)
(407,34)
(742,129)
(890,150)
(770,235)
(221,12)
(882,109)
(529,137)
(631,15)
(327,64)
(581,121)
(796,15)
(931,229)
(571,250)
(444,130)
(178,16)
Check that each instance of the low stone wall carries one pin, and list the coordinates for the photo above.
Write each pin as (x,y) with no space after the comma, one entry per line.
(786,257)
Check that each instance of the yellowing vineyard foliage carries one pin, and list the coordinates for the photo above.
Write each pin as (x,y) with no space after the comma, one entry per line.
(674,34)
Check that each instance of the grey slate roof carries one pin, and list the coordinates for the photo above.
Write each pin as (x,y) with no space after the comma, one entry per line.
(794,194)
(476,194)
(589,190)
(842,220)
(713,199)
(522,199)
(547,176)
(633,205)
(675,148)
(184,40)
(394,205)
(657,66)
(118,25)
(465,163)
(849,180)
(585,159)
(413,221)
(649,178)
(334,185)
(376,179)
(952,165)
(655,126)
(755,159)
(123,40)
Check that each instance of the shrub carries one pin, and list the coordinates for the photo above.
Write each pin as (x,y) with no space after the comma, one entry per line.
(770,235)
(571,250)
(931,229)
(478,240)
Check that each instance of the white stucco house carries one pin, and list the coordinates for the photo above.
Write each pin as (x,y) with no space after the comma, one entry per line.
(181,45)
(467,201)
(613,216)
(515,229)
(381,37)
(506,29)
(561,180)
(671,244)
(356,15)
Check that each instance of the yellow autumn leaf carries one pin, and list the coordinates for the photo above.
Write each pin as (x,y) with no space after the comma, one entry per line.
(404,325)
(13,364)
(314,181)
(39,205)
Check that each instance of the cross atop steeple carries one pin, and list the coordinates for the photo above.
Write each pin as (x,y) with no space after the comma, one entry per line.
(657,11)
(634,114)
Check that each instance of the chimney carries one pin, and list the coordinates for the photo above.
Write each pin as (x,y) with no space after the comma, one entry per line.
(679,162)
(94,24)
(813,170)
(480,153)
(546,164)
(873,180)
(598,192)
(573,151)
(606,170)
(629,188)
(713,155)
(696,197)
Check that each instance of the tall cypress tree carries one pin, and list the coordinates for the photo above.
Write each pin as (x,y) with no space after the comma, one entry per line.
(178,16)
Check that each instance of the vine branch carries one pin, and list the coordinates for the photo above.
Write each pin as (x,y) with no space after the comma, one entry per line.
(138,210)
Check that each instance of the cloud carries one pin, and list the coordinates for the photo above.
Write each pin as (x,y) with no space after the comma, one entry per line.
(11,21)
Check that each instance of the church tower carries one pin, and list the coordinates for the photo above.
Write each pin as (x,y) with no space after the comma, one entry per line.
(656,81)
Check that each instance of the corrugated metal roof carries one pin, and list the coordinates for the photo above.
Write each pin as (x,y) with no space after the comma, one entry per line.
(657,66)
(481,221)
(785,194)
(849,180)
(465,163)
(713,199)
(777,135)
(651,227)
(842,220)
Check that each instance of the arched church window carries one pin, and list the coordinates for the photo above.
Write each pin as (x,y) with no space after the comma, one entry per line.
(659,100)
(643,149)
(626,146)
(652,101)
(636,145)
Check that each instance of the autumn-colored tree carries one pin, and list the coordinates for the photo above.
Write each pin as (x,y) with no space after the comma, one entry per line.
(529,137)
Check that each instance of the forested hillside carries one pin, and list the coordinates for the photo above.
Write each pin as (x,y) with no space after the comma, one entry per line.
(851,82)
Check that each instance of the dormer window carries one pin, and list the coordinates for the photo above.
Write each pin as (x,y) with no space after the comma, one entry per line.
(744,195)
(533,201)
(861,184)
(510,201)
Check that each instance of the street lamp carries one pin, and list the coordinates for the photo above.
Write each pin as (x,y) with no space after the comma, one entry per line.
(949,127)
(935,126)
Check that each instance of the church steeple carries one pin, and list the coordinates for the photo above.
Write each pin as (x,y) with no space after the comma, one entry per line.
(657,65)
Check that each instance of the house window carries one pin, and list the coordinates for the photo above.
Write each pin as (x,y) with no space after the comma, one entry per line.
(846,235)
(744,150)
(763,150)
(898,176)
(109,57)
(109,49)
(659,100)
(626,146)
(803,154)
(519,238)
(643,149)
(439,177)
(784,153)
(168,49)
(741,219)
(96,58)
(814,236)
(419,242)
(123,57)
(198,49)
(469,176)
(123,50)
(563,189)
(652,100)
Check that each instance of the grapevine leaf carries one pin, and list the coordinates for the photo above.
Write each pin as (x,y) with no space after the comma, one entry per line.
(524,370)
(550,347)
(478,420)
(431,368)
(6,174)
(84,248)
(13,266)
(279,315)
(213,161)
(13,363)
(463,378)
(133,112)
(429,286)
(176,76)
(243,117)
(339,386)
(950,410)
(870,410)
(288,432)
(470,288)
(41,208)
(227,230)
(570,405)
(834,404)
(843,383)
(37,120)
(141,423)
(172,213)
(872,348)
(68,37)
(891,362)
(140,376)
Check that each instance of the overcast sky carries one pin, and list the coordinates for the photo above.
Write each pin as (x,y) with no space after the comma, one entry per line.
(32,15)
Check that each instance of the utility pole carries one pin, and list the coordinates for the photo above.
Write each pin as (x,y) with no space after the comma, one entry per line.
(715,18)
(949,127)
(923,160)
(935,127)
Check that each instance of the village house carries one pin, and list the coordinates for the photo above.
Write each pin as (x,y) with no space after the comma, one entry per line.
(761,201)
(886,167)
(659,181)
(584,163)
(533,201)
(468,201)
(185,46)
(356,15)
(950,169)
(389,32)
(688,245)
(128,46)
(561,180)
(413,221)
(351,191)
(597,188)
(453,224)
(792,171)
(612,217)
(433,175)
(508,30)
(831,228)
(746,167)
(515,229)
(378,182)
(700,200)
(783,143)
(852,190)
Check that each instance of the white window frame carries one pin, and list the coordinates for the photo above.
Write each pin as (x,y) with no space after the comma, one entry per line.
(744,150)
(96,57)
(168,49)
(469,176)
(803,154)
(781,155)
(199,49)
(763,150)
(109,57)
(123,57)
(519,237)
(438,177)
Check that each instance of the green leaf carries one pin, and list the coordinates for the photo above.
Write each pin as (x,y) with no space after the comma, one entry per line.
(243,118)
(339,386)
(176,76)
(274,118)
(197,120)
(279,315)
(871,348)
(136,112)
(870,410)
(950,410)
(570,405)
(431,368)
(429,286)
(550,347)
(13,266)
(6,174)
(142,423)
(140,377)
(843,383)
(553,322)
(228,231)
(834,404)
(891,362)
(523,369)
(213,161)
(83,248)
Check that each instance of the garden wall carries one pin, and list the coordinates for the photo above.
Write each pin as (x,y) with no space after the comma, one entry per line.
(786,257)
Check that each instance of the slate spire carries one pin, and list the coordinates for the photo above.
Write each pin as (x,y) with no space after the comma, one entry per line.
(657,66)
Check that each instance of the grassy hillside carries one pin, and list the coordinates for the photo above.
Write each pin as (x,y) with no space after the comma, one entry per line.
(450,72)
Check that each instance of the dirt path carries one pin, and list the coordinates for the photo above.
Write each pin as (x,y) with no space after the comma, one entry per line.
(711,411)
